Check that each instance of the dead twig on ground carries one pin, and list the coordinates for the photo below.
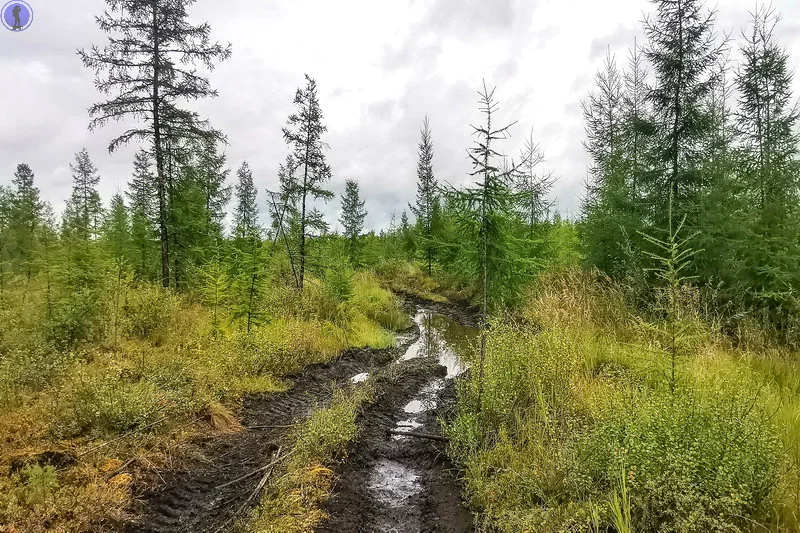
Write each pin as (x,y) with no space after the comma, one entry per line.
(418,435)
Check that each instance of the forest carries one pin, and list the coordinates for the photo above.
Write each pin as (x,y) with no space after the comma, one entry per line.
(632,369)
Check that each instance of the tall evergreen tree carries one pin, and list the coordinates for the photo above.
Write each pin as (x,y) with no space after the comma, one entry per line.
(143,216)
(484,213)
(603,115)
(86,208)
(352,219)
(117,231)
(303,134)
(532,185)
(767,123)
(427,205)
(683,51)
(248,267)
(25,217)
(5,234)
(212,177)
(246,215)
(149,67)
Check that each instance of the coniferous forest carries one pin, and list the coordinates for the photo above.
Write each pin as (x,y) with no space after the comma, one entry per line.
(633,369)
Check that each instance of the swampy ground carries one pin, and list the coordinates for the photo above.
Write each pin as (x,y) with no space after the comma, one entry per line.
(386,482)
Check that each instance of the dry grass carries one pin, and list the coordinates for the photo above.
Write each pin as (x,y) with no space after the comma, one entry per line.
(149,382)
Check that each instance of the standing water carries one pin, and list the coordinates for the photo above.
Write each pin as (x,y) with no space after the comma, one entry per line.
(394,482)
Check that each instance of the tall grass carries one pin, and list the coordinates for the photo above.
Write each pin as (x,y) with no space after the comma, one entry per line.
(147,362)
(578,390)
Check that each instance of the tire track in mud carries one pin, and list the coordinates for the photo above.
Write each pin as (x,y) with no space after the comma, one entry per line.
(201,497)
(399,484)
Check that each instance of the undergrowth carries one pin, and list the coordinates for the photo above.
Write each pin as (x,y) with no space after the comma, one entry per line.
(579,429)
(158,370)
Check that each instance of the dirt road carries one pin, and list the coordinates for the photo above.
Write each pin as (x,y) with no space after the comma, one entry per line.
(389,483)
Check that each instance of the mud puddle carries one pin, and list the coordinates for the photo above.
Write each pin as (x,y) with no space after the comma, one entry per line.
(398,483)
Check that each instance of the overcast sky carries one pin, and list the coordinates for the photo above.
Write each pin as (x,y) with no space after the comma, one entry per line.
(380,67)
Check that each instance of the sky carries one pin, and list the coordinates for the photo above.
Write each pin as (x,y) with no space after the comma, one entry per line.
(380,68)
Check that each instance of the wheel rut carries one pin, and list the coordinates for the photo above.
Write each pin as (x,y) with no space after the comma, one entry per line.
(388,483)
(203,496)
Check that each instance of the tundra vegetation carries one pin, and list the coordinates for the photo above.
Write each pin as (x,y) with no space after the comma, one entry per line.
(637,367)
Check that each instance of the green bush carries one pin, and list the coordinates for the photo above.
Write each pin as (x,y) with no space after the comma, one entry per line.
(40,484)
(75,319)
(694,463)
(148,311)
(102,401)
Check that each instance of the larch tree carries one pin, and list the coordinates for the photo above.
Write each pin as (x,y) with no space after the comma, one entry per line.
(427,207)
(146,69)
(303,133)
(532,185)
(603,115)
(636,123)
(5,256)
(352,220)
(484,212)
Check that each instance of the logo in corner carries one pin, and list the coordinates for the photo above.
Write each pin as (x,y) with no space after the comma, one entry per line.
(17,15)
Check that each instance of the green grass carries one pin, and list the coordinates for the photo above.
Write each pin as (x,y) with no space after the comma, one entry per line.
(152,362)
(577,394)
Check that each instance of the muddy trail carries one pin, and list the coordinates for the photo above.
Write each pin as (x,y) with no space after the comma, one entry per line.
(208,494)
(402,484)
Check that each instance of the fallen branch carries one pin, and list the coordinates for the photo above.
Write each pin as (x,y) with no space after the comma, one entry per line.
(268,427)
(268,469)
(418,435)
(256,471)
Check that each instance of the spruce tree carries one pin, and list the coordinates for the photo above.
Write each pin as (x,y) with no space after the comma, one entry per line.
(86,208)
(352,219)
(246,214)
(117,231)
(683,51)
(25,217)
(426,209)
(248,267)
(303,133)
(143,216)
(212,177)
(149,65)
(767,123)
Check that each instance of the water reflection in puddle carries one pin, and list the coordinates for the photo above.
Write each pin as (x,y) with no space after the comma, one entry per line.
(392,482)
(443,338)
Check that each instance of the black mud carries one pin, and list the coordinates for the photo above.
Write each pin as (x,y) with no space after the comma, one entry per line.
(195,498)
(388,483)
(402,484)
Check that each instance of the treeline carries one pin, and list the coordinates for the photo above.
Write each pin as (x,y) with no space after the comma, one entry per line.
(684,134)
(169,226)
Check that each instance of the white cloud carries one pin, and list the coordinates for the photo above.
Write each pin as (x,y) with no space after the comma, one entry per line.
(380,66)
